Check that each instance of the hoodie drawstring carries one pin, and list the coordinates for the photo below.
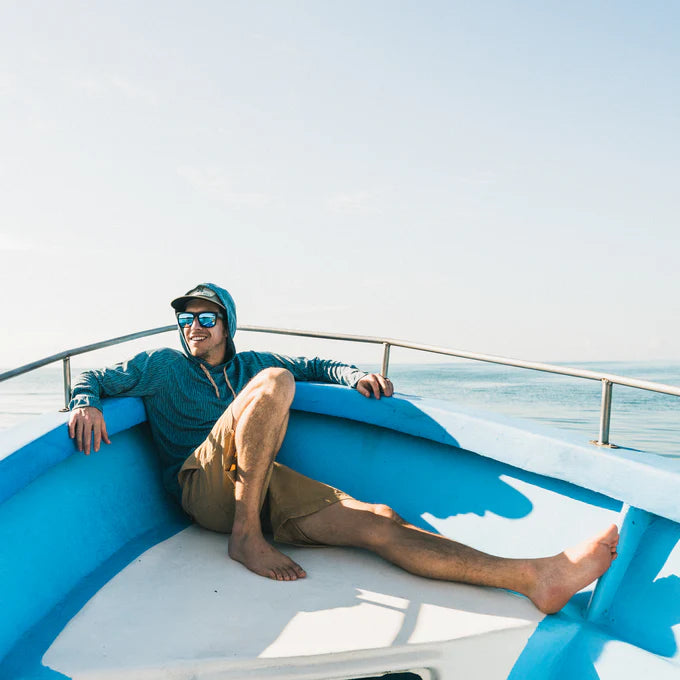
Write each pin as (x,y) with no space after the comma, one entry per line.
(227,381)
(212,382)
(209,377)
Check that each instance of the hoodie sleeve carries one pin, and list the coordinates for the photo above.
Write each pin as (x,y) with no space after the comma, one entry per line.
(316,370)
(138,377)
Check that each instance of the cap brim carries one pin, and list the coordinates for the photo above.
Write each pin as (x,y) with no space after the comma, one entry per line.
(179,304)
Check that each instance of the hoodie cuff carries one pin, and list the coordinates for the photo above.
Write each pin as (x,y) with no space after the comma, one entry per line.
(84,400)
(355,377)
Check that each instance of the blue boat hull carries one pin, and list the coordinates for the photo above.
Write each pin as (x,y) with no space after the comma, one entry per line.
(70,524)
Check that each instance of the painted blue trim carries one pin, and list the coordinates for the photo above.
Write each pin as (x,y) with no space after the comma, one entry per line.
(73,517)
(66,515)
(422,478)
(560,648)
(543,655)
(25,658)
(646,609)
(36,456)
(633,523)
(620,474)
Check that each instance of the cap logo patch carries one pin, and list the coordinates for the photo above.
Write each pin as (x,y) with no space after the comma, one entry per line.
(204,292)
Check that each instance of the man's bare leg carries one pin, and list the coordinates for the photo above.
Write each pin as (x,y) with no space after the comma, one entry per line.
(261,417)
(549,582)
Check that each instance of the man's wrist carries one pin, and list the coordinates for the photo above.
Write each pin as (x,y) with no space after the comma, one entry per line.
(85,401)
(357,377)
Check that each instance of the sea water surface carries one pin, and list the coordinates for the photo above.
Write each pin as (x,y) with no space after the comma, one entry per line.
(643,420)
(646,421)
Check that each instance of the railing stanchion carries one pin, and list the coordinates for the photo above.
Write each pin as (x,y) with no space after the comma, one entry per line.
(386,359)
(67,382)
(605,413)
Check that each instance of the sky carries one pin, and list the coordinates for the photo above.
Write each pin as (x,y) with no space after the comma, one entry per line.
(492,176)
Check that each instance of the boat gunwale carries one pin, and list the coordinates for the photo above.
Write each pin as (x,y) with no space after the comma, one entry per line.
(460,427)
(619,474)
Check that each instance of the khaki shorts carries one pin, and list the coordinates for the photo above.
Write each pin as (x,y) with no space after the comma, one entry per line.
(207,480)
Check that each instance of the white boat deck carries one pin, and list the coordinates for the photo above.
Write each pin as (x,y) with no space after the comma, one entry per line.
(183,609)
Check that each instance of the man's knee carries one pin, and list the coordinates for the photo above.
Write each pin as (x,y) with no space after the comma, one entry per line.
(271,389)
(386,511)
(276,383)
(380,526)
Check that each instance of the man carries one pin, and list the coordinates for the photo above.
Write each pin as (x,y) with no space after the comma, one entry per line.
(218,419)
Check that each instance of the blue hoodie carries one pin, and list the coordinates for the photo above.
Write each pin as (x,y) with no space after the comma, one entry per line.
(184,396)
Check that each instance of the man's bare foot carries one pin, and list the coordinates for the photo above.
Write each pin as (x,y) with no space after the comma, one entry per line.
(253,551)
(558,578)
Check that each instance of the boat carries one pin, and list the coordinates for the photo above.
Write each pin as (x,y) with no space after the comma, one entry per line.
(102,576)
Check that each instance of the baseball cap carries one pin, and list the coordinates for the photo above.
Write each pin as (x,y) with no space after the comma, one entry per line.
(199,293)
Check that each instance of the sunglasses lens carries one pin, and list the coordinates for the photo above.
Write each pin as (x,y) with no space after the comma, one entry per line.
(185,319)
(207,319)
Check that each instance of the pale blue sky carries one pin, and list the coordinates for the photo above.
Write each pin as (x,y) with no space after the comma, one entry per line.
(492,176)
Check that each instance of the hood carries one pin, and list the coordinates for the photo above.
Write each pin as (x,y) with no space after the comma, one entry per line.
(228,303)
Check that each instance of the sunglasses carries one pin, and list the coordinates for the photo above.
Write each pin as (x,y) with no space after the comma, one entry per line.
(205,319)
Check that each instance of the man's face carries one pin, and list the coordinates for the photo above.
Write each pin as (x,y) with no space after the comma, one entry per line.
(209,344)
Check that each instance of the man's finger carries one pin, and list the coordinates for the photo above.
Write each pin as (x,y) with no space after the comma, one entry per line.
(375,385)
(87,437)
(96,430)
(105,434)
(79,434)
(385,385)
(72,427)
(365,386)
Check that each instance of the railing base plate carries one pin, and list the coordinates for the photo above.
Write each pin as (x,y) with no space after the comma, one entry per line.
(605,446)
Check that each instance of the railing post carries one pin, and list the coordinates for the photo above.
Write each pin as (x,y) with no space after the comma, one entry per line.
(386,359)
(605,413)
(67,382)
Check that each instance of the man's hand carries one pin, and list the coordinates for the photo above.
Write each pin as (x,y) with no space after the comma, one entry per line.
(85,422)
(374,384)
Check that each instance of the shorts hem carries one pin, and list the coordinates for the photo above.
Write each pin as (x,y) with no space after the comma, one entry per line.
(279,533)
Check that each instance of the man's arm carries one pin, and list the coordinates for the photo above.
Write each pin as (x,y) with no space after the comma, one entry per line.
(325,370)
(87,420)
(137,377)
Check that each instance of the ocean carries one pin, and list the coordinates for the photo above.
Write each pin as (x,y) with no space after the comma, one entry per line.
(644,421)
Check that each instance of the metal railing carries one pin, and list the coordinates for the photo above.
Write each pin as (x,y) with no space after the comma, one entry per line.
(608,380)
